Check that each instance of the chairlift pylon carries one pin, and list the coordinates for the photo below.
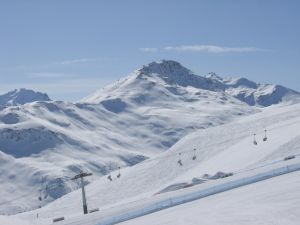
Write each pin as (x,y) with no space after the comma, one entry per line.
(265,137)
(254,139)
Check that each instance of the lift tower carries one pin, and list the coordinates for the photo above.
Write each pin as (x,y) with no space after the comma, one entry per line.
(81,175)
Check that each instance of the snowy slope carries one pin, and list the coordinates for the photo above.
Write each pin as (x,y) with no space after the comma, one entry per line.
(12,221)
(21,97)
(274,201)
(54,140)
(226,148)
(55,145)
(136,118)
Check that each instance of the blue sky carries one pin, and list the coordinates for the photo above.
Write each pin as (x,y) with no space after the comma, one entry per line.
(69,48)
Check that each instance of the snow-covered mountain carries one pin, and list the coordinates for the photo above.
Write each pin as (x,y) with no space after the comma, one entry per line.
(259,94)
(21,97)
(174,77)
(45,143)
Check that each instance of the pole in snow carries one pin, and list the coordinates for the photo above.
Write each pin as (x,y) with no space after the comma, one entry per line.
(81,176)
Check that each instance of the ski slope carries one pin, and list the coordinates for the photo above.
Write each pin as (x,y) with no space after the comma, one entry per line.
(5,220)
(156,203)
(226,148)
(274,201)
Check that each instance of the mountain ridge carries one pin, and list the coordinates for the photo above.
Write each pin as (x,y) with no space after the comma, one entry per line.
(21,96)
(168,72)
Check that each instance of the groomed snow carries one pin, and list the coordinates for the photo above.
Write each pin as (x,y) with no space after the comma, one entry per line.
(5,220)
(270,202)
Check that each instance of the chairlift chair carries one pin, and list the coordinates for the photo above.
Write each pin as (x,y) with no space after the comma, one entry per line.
(46,192)
(40,195)
(179,160)
(43,194)
(194,157)
(119,174)
(265,137)
(254,139)
(109,176)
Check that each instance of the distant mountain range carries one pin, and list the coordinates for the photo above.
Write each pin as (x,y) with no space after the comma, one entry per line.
(46,142)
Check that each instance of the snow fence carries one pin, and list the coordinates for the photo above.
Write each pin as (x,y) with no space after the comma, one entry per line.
(173,201)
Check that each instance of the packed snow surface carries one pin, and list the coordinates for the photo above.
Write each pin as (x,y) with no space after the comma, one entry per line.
(274,201)
(12,221)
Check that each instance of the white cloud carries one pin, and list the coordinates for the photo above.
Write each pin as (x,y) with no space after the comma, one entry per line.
(34,75)
(74,61)
(211,49)
(148,49)
(54,64)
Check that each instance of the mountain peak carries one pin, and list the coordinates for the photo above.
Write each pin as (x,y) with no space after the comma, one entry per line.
(241,82)
(165,68)
(22,96)
(214,76)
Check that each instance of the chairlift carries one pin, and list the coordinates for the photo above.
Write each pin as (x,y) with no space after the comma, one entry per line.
(43,194)
(254,139)
(40,195)
(119,174)
(109,176)
(46,193)
(265,137)
(194,157)
(179,160)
